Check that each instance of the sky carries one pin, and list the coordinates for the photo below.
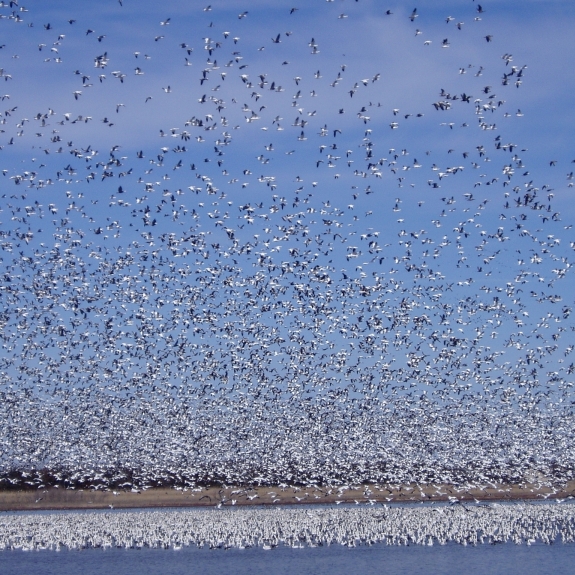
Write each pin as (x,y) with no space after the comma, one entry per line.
(340,188)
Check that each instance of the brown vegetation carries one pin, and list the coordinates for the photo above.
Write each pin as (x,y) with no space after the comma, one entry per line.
(62,498)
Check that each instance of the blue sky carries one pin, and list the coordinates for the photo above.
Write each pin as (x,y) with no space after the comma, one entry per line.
(367,42)
(345,168)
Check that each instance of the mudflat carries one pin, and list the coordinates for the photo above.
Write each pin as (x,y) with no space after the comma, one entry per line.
(59,498)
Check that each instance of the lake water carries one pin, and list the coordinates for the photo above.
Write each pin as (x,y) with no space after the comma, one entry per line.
(449,559)
(91,534)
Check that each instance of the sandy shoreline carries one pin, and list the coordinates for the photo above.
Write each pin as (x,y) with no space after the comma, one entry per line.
(54,498)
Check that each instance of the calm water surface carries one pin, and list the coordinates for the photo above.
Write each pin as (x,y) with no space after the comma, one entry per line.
(380,559)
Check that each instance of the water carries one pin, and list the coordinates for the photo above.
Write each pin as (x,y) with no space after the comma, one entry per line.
(450,559)
(150,536)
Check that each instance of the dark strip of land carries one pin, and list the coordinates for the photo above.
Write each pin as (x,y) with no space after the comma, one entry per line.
(59,498)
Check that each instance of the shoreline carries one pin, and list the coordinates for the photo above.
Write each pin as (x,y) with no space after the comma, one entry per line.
(71,499)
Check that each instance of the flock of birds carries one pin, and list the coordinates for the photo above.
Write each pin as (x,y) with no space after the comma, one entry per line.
(248,269)
(269,528)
